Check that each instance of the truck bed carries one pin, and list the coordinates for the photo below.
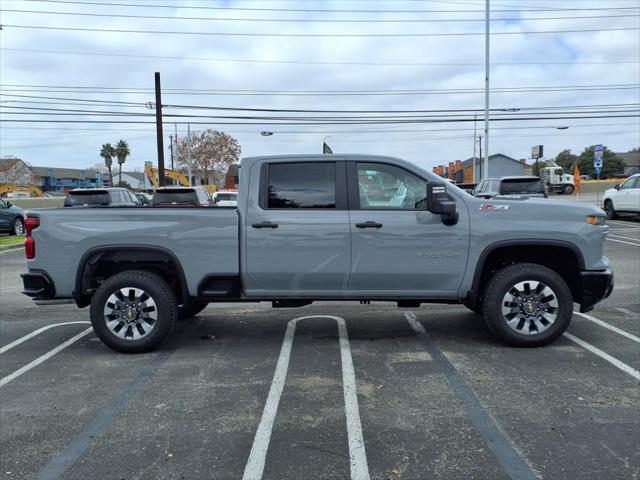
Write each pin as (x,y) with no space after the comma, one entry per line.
(203,240)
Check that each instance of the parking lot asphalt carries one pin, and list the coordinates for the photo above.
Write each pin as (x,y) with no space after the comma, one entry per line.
(420,394)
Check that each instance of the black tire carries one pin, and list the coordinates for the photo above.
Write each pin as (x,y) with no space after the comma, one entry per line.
(568,189)
(611,212)
(165,309)
(18,226)
(504,282)
(190,309)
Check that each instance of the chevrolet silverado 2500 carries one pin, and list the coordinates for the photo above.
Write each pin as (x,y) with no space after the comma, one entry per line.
(308,228)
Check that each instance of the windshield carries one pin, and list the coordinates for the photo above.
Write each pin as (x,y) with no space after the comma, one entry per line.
(521,185)
(90,198)
(175,197)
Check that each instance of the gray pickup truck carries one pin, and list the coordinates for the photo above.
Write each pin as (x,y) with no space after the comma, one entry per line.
(355,227)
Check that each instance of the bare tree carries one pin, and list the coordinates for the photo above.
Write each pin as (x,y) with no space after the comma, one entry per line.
(16,172)
(211,154)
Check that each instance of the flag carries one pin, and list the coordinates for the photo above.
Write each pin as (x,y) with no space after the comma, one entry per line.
(576,177)
(326,149)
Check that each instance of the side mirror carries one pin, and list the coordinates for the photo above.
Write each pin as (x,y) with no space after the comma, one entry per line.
(9,204)
(617,186)
(438,203)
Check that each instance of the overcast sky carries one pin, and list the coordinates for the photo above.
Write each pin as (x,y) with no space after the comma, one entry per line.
(122,64)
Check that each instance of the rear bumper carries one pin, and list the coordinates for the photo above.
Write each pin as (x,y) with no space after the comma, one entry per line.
(38,285)
(596,286)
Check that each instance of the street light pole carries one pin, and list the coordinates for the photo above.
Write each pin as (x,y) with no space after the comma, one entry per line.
(189,151)
(486,92)
(475,141)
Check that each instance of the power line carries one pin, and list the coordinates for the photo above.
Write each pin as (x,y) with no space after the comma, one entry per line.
(296,93)
(315,10)
(312,20)
(310,35)
(311,62)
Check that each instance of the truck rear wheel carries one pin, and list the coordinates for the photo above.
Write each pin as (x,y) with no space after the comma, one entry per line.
(527,305)
(133,311)
(610,210)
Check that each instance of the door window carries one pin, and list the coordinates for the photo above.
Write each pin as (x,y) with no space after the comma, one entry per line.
(387,187)
(301,185)
(629,183)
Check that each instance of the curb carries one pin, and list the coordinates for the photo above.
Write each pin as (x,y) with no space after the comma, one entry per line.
(10,248)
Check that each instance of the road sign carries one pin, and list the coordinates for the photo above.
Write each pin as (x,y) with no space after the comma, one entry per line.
(537,151)
(597,157)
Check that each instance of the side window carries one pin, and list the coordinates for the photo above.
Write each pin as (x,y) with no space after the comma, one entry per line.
(2,204)
(495,186)
(382,186)
(116,197)
(301,185)
(480,187)
(629,183)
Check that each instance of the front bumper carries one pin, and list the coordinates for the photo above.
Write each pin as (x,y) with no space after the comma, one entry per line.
(596,286)
(38,285)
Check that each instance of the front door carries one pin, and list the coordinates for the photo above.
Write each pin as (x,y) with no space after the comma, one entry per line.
(398,248)
(297,235)
(5,216)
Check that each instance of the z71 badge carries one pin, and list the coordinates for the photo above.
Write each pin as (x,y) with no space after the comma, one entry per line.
(490,207)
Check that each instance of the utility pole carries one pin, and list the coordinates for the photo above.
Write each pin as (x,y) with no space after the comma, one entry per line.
(486,92)
(171,150)
(160,141)
(475,141)
(480,163)
(189,151)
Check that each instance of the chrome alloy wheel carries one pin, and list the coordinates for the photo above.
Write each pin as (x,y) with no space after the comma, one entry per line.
(18,226)
(530,307)
(130,313)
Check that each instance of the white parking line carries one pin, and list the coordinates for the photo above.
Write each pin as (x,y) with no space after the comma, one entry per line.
(622,241)
(622,222)
(11,250)
(609,327)
(17,342)
(44,357)
(612,360)
(358,458)
(626,238)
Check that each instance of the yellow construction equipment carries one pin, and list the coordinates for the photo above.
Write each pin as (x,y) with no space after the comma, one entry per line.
(30,189)
(152,174)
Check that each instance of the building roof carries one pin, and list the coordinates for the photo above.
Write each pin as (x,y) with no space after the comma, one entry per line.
(64,172)
(631,159)
(468,162)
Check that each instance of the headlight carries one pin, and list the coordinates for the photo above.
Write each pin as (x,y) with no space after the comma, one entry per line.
(595,219)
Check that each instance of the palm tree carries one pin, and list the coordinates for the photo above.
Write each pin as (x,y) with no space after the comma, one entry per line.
(122,152)
(108,152)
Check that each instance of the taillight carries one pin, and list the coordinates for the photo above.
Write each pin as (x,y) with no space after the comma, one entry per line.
(30,224)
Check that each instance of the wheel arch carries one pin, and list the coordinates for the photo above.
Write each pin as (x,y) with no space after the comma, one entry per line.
(112,259)
(563,257)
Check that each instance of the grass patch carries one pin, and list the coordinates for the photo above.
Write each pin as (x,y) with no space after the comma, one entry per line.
(11,240)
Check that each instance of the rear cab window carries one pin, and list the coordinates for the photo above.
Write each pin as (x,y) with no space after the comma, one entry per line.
(521,186)
(304,185)
(175,197)
(90,198)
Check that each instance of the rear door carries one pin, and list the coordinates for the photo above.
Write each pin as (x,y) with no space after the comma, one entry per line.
(5,216)
(297,239)
(398,248)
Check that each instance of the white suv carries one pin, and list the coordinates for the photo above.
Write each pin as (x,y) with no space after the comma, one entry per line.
(624,198)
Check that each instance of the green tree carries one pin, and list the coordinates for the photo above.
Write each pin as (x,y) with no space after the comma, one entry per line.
(611,163)
(122,152)
(108,152)
(566,159)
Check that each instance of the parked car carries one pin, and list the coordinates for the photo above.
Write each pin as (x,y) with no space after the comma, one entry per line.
(11,218)
(225,199)
(302,233)
(101,197)
(521,186)
(623,198)
(181,197)
(143,198)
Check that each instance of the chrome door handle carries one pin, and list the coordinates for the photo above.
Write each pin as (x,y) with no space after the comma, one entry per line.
(265,225)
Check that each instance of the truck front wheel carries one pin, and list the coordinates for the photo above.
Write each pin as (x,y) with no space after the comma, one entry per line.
(133,311)
(568,189)
(527,305)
